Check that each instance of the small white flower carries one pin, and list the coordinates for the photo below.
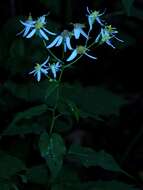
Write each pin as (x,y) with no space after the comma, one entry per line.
(79,50)
(28,25)
(94,16)
(63,38)
(39,69)
(39,28)
(36,27)
(78,29)
(55,67)
(106,34)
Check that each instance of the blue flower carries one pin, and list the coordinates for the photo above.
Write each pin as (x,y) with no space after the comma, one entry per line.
(55,67)
(78,29)
(94,16)
(106,34)
(79,50)
(28,25)
(36,27)
(39,69)
(63,38)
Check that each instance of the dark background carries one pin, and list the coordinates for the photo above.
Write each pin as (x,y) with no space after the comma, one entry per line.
(119,70)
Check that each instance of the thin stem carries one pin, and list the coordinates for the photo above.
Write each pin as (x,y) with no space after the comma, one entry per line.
(52,54)
(54,117)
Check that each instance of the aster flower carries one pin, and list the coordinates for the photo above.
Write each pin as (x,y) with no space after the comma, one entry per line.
(28,25)
(36,27)
(39,69)
(55,67)
(39,28)
(63,38)
(106,34)
(78,30)
(79,50)
(94,16)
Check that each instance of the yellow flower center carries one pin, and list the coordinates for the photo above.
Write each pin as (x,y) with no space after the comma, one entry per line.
(81,49)
(38,25)
(37,67)
(95,14)
(109,28)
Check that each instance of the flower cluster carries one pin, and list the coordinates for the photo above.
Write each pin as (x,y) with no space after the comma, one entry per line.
(45,69)
(38,27)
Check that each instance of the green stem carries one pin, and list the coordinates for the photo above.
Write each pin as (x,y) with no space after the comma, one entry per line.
(54,116)
(52,54)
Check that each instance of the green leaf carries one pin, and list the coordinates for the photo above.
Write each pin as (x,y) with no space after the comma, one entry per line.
(52,149)
(22,129)
(67,179)
(104,185)
(88,157)
(10,165)
(68,108)
(33,91)
(63,125)
(38,174)
(93,101)
(107,162)
(18,127)
(6,185)
(127,4)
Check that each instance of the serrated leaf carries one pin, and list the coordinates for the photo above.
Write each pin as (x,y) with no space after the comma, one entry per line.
(67,179)
(88,157)
(38,174)
(22,129)
(31,92)
(93,101)
(105,185)
(107,161)
(10,165)
(127,4)
(52,149)
(14,128)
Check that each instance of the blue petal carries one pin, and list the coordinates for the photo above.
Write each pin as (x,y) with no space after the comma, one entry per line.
(38,76)
(28,23)
(43,34)
(109,43)
(44,63)
(59,41)
(27,29)
(97,38)
(49,32)
(99,21)
(118,39)
(44,71)
(32,72)
(31,33)
(88,10)
(90,21)
(90,56)
(68,43)
(53,43)
(72,56)
(77,33)
(83,33)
